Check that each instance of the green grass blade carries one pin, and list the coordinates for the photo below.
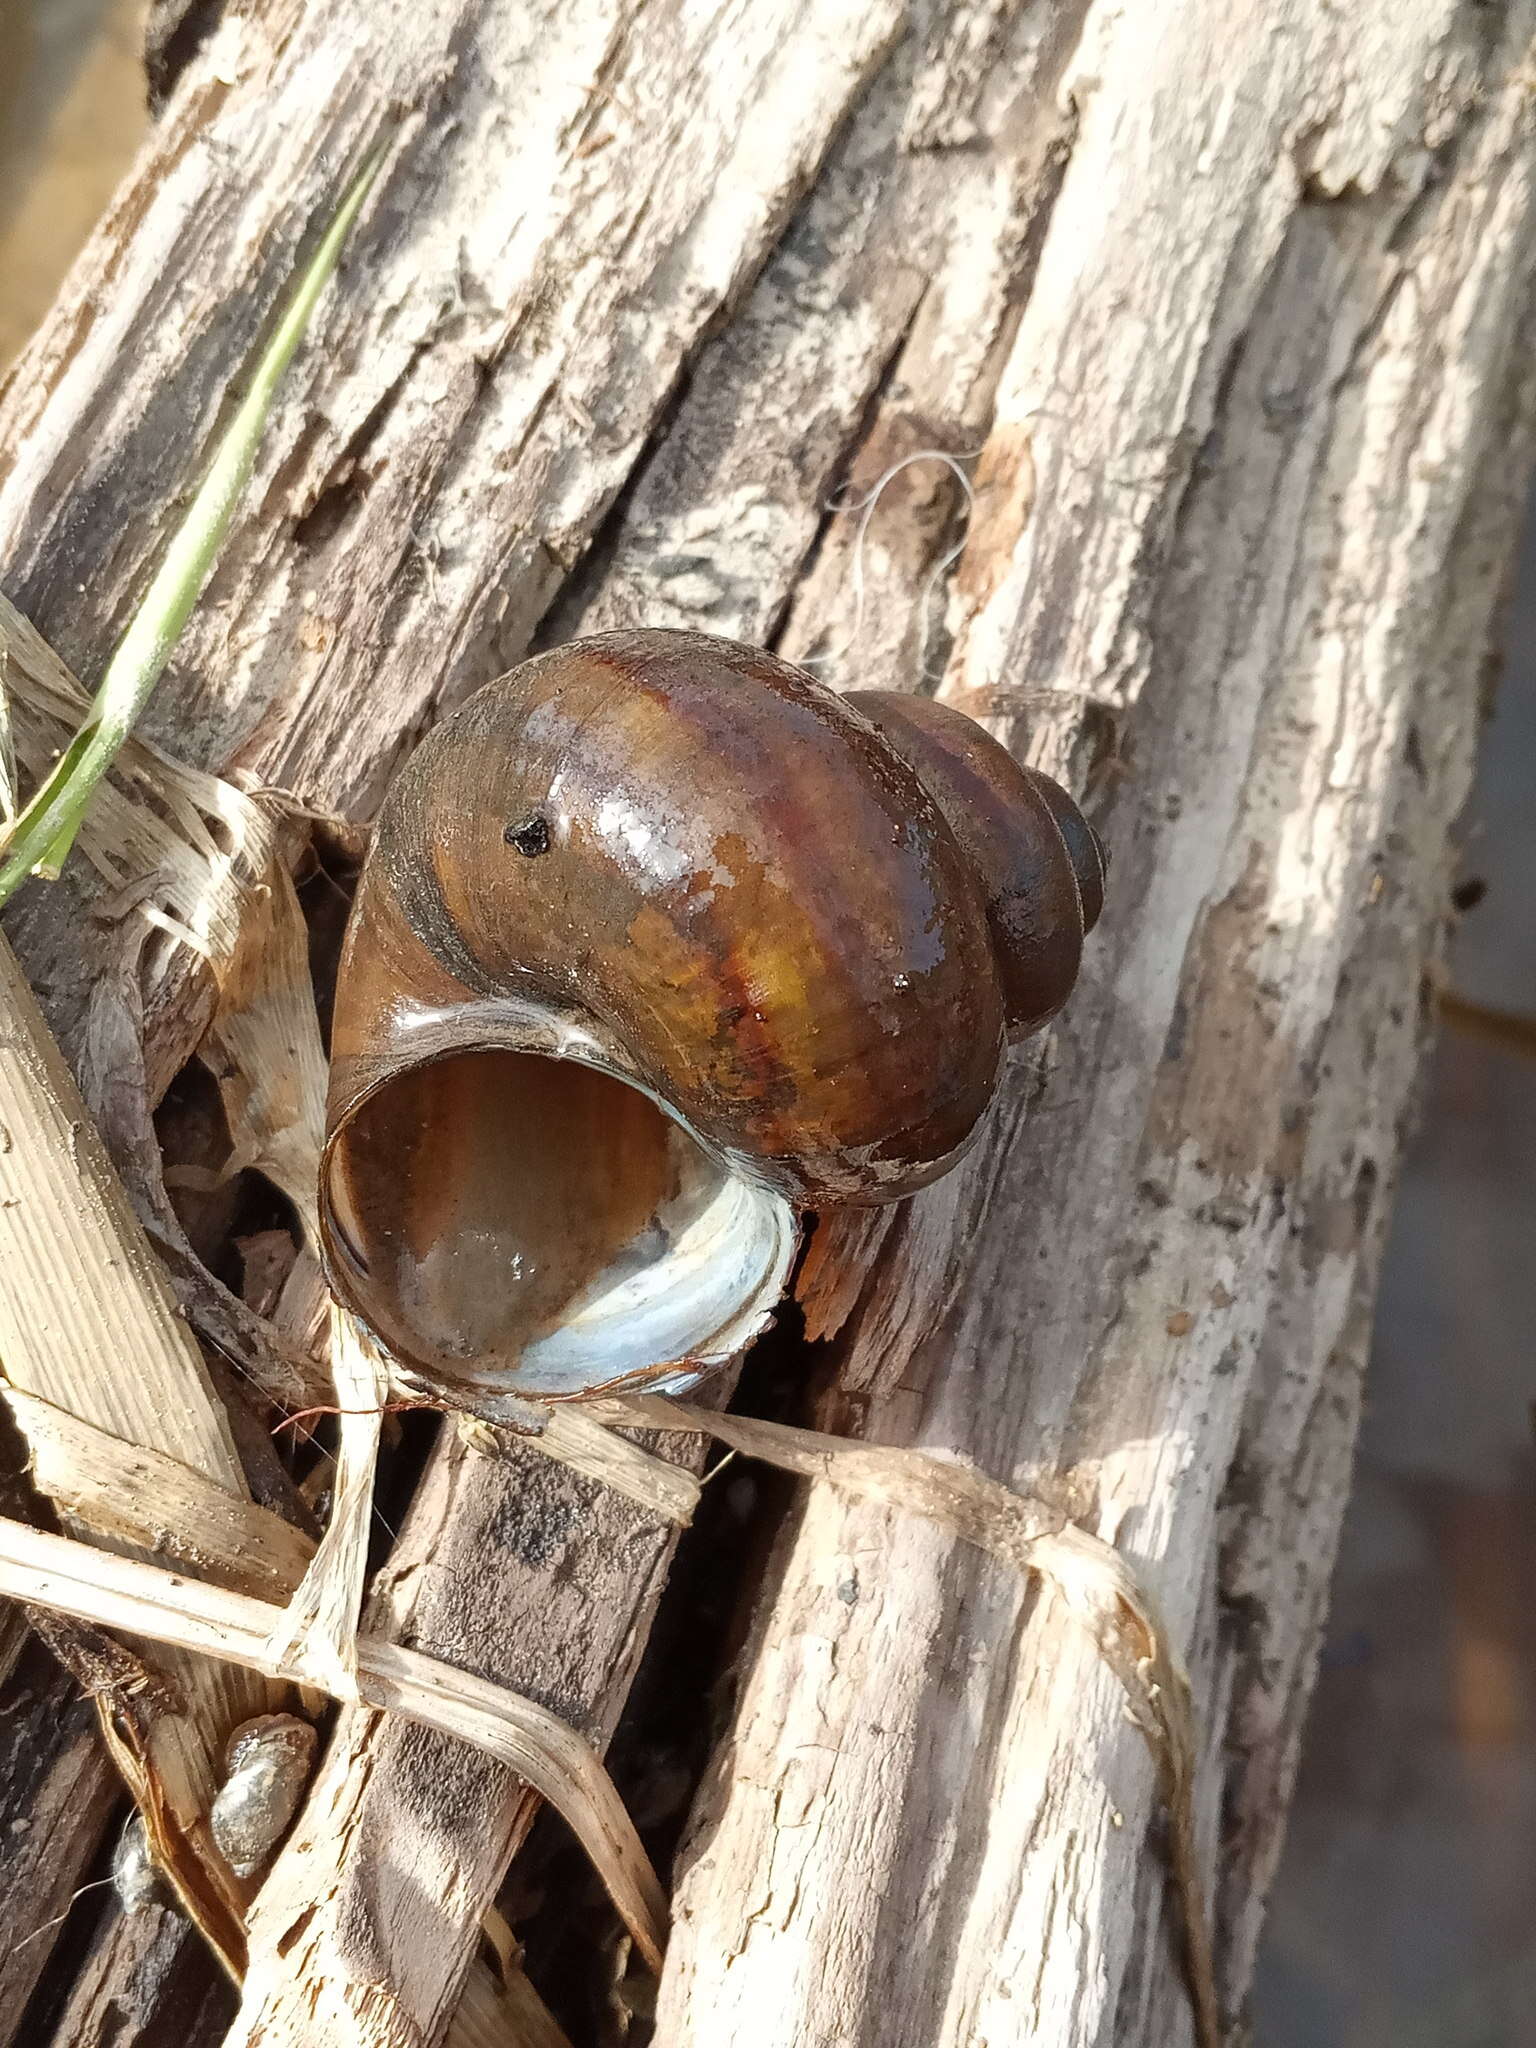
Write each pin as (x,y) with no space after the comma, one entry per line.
(42,835)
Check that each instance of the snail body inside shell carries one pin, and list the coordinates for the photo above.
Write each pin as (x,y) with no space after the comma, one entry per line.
(660,942)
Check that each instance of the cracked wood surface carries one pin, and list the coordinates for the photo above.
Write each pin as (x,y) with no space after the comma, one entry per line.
(1234,305)
(451,455)
(1253,475)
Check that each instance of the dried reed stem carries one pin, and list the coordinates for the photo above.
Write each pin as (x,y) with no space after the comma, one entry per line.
(1101,1589)
(122,1593)
(88,1327)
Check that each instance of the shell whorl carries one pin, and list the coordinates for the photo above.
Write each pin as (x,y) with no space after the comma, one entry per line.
(733,881)
(1040,862)
(776,940)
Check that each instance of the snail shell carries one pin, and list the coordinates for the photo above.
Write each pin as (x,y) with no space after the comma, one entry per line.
(659,942)
(268,1763)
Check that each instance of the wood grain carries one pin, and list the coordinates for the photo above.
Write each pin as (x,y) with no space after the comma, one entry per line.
(57,1786)
(471,422)
(1228,312)
(1252,520)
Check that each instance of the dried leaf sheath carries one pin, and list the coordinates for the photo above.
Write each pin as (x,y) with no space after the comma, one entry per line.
(194,838)
(318,1632)
(143,1501)
(88,1326)
(122,1593)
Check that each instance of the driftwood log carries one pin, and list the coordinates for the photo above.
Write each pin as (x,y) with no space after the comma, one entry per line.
(666,315)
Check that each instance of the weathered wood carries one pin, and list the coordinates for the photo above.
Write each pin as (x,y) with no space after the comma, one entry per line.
(58,1791)
(153,1974)
(572,196)
(1268,417)
(456,417)
(814,339)
(1255,301)
(562,1613)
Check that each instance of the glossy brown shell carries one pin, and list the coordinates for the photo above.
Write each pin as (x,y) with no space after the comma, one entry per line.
(724,868)
(1040,862)
(799,927)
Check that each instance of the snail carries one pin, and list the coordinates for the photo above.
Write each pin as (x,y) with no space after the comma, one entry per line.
(660,943)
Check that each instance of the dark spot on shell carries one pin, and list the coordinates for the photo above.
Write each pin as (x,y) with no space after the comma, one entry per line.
(531,837)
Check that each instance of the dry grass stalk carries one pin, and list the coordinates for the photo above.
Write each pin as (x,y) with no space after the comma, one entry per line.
(264,1044)
(144,1501)
(157,1504)
(218,884)
(1099,1586)
(122,1593)
(318,1631)
(88,1326)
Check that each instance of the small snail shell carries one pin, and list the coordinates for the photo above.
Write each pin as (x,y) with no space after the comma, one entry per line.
(268,1763)
(659,942)
(137,1878)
